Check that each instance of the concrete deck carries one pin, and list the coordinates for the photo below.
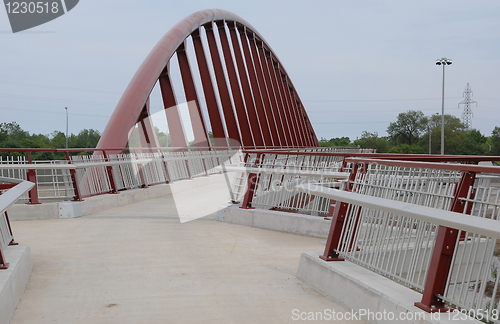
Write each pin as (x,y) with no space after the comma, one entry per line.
(139,264)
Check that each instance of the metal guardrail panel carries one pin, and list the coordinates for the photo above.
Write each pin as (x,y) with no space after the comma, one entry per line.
(7,199)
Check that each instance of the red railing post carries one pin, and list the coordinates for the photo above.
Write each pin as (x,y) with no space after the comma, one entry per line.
(168,180)
(31,177)
(253,179)
(442,255)
(142,177)
(109,171)
(72,172)
(12,242)
(338,223)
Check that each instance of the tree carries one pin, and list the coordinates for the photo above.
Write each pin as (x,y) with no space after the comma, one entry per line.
(12,131)
(454,135)
(371,140)
(408,127)
(337,141)
(474,143)
(58,140)
(495,141)
(87,138)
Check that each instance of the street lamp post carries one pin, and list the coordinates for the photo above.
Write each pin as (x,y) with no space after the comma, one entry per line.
(66,127)
(442,61)
(430,133)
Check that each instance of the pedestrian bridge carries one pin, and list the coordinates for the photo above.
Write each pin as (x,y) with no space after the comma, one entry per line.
(154,234)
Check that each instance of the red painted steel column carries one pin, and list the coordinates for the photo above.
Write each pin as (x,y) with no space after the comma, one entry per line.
(109,171)
(301,116)
(281,102)
(310,131)
(263,90)
(286,106)
(72,172)
(299,125)
(227,106)
(195,113)
(442,254)
(338,223)
(174,121)
(247,139)
(256,89)
(218,131)
(291,108)
(282,128)
(247,94)
(165,165)
(142,176)
(147,133)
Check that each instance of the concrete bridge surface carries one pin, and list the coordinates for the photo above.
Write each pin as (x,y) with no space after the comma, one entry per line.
(138,264)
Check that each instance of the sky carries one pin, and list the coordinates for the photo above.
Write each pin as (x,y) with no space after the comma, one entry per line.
(355,64)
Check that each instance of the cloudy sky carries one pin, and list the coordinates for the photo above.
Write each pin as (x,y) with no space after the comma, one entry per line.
(356,64)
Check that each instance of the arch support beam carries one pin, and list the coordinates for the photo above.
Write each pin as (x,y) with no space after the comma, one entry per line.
(246,94)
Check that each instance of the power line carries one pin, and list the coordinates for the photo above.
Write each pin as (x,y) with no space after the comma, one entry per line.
(52,112)
(376,100)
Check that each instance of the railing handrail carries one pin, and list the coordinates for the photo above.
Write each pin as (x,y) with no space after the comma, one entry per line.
(294,172)
(429,165)
(388,156)
(80,165)
(189,148)
(9,197)
(477,225)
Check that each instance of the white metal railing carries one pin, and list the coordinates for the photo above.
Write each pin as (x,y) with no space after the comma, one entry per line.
(391,223)
(280,172)
(54,179)
(8,198)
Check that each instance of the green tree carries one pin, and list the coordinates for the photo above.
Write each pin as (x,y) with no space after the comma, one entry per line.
(87,138)
(408,127)
(495,141)
(372,140)
(58,140)
(454,135)
(12,131)
(337,141)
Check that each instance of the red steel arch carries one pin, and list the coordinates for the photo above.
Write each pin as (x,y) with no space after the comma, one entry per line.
(252,94)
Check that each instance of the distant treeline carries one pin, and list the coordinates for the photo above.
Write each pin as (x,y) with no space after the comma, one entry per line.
(409,134)
(12,136)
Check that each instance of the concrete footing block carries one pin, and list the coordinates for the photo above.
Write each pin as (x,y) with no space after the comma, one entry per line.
(314,226)
(14,279)
(365,292)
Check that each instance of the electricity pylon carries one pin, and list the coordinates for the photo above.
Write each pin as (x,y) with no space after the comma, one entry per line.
(467,102)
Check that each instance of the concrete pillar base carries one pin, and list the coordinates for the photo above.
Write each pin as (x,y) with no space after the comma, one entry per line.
(367,292)
(14,279)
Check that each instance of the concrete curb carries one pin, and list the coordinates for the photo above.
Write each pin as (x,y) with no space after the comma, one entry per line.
(314,226)
(92,205)
(13,280)
(358,289)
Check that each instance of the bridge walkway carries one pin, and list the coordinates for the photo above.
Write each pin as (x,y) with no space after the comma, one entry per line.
(139,264)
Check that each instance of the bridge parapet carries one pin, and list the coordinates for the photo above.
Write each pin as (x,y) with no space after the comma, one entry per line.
(417,219)
(12,190)
(81,176)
